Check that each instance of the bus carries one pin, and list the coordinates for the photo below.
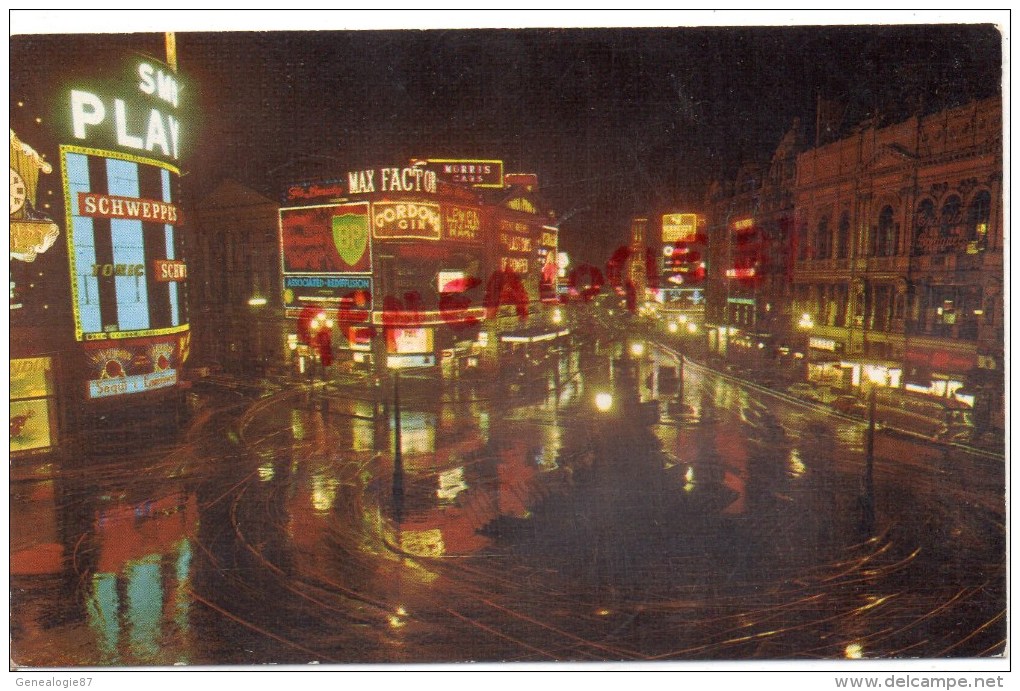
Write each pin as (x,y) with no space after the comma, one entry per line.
(935,417)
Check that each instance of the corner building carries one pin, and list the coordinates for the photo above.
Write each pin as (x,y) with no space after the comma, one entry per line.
(401,268)
(899,256)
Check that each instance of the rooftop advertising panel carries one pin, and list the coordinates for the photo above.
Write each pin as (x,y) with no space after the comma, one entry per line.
(461,224)
(328,239)
(477,173)
(123,246)
(349,292)
(134,111)
(679,227)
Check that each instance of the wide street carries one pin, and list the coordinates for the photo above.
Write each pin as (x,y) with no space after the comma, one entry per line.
(527,525)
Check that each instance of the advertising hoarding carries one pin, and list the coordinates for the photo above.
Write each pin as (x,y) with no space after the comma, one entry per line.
(351,292)
(122,217)
(406,220)
(474,172)
(411,340)
(32,405)
(326,239)
(135,365)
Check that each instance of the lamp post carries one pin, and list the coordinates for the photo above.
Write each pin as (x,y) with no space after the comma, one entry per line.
(322,326)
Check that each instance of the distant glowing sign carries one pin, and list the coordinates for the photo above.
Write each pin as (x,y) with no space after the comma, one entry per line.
(348,291)
(418,220)
(679,227)
(743,224)
(137,114)
(325,239)
(822,343)
(741,273)
(477,173)
(451,281)
(121,216)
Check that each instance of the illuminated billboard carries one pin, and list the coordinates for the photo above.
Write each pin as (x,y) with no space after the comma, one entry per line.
(404,341)
(406,220)
(134,366)
(328,239)
(477,173)
(123,246)
(351,292)
(461,224)
(679,227)
(32,405)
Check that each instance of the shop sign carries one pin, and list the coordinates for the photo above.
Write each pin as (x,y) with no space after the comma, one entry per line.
(399,220)
(348,291)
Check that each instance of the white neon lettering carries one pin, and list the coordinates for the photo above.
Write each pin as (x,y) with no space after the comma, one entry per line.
(120,117)
(147,85)
(86,109)
(156,136)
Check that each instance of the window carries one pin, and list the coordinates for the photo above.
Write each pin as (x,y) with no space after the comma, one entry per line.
(886,234)
(979,214)
(924,227)
(823,241)
(843,237)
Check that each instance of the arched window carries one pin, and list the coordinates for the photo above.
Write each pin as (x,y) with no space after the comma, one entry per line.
(979,213)
(823,240)
(802,242)
(843,236)
(924,227)
(885,237)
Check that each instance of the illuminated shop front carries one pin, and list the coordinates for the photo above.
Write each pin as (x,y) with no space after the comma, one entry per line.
(415,268)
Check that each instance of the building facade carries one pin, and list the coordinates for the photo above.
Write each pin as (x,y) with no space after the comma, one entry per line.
(899,257)
(237,312)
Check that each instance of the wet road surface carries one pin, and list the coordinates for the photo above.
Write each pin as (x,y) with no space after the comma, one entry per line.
(531,527)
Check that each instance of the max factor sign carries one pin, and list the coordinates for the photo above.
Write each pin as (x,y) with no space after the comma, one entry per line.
(139,117)
(410,179)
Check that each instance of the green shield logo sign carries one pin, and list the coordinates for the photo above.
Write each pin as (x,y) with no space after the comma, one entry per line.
(350,236)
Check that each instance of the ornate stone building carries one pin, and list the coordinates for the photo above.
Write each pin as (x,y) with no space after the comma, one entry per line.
(898,275)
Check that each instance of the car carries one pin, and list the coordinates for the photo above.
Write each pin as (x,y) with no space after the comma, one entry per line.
(850,405)
(824,394)
(801,390)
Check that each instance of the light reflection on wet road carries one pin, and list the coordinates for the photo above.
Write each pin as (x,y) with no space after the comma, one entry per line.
(531,528)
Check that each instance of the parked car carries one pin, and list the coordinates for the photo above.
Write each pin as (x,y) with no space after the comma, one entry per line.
(824,394)
(850,405)
(801,390)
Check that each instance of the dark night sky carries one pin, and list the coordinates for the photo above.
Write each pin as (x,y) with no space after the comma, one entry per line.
(616,122)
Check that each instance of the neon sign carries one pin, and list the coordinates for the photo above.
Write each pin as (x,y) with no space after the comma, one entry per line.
(142,120)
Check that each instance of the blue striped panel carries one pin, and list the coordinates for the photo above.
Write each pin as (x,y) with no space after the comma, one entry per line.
(128,248)
(83,239)
(175,313)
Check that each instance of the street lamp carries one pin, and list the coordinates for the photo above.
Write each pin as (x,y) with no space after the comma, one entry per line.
(604,401)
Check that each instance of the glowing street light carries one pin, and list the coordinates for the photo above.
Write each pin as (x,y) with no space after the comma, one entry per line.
(673,327)
(637,349)
(604,401)
(806,322)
